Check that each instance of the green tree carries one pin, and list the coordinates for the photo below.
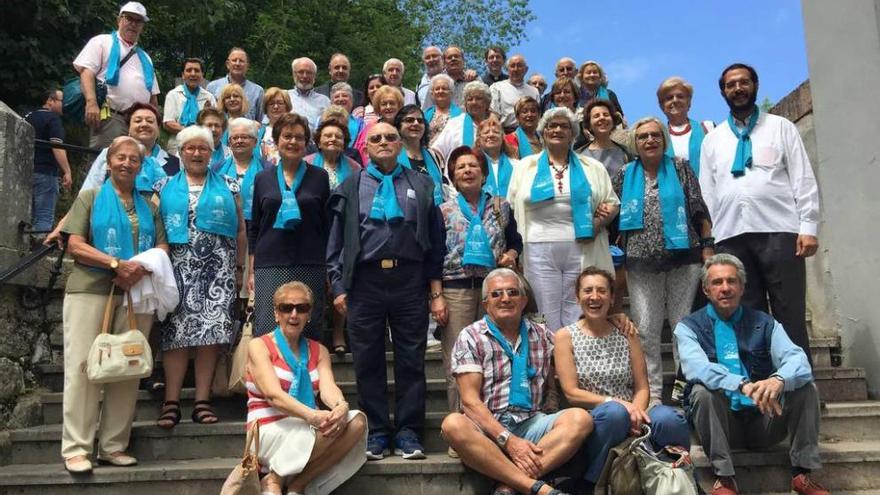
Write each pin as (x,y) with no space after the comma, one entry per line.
(766,105)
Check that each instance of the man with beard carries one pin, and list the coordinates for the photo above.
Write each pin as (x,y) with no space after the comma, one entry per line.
(340,70)
(303,97)
(762,196)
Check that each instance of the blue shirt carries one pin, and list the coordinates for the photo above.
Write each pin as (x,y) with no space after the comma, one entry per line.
(252,91)
(47,126)
(789,361)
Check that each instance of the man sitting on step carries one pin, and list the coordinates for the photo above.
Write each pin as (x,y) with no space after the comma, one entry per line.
(747,381)
(502,364)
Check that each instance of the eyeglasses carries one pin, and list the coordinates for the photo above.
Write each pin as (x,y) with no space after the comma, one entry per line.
(241,137)
(133,19)
(413,120)
(377,138)
(552,126)
(197,149)
(511,292)
(644,137)
(286,308)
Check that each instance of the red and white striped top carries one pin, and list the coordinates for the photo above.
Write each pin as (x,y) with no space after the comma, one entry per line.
(259,408)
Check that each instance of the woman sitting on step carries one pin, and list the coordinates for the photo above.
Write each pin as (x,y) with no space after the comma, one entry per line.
(305,447)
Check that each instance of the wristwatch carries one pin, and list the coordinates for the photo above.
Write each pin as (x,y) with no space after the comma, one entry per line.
(502,439)
(743,384)
(435,295)
(114,263)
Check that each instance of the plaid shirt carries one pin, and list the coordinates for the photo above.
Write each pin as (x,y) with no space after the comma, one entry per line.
(476,351)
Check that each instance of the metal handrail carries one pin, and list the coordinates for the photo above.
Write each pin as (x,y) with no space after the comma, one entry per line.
(68,147)
(23,264)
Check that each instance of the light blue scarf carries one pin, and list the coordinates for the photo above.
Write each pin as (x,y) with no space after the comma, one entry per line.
(343,169)
(150,172)
(111,229)
(289,216)
(229,169)
(191,107)
(454,111)
(467,131)
(112,75)
(354,129)
(672,206)
(433,171)
(743,157)
(524,146)
(219,154)
(385,205)
(497,186)
(301,383)
(477,248)
(215,210)
(602,93)
(727,354)
(521,372)
(581,192)
(695,143)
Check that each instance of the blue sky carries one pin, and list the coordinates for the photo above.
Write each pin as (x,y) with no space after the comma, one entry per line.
(640,43)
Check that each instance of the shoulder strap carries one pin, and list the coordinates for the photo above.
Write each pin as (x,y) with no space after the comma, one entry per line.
(127,57)
(496,205)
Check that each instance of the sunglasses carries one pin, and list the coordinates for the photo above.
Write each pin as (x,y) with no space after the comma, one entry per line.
(413,120)
(301,308)
(377,138)
(511,292)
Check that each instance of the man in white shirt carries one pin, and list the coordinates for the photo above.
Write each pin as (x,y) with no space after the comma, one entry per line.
(393,70)
(507,92)
(176,115)
(303,97)
(133,81)
(237,66)
(757,181)
(433,59)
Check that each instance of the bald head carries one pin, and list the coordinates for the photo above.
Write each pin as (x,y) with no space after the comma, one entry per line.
(383,145)
(517,68)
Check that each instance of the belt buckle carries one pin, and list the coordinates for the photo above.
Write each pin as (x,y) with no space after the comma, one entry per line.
(388,263)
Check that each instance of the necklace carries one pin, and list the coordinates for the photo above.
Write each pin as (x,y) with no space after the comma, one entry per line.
(687,129)
(558,173)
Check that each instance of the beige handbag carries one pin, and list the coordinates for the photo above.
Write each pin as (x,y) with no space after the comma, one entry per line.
(238,366)
(245,477)
(115,358)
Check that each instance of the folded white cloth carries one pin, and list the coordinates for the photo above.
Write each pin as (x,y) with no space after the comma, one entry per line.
(158,290)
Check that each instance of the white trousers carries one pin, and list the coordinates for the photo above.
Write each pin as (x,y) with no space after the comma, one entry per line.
(552,269)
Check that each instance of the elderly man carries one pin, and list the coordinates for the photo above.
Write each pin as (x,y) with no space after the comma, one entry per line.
(462,130)
(495,58)
(46,122)
(183,103)
(506,93)
(237,66)
(116,60)
(565,67)
(503,367)
(762,196)
(538,82)
(453,59)
(385,261)
(393,70)
(432,57)
(744,372)
(340,70)
(303,97)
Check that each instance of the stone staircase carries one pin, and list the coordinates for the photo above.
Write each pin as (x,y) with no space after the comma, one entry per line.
(196,458)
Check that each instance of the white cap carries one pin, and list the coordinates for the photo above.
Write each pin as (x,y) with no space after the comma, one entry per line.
(135,8)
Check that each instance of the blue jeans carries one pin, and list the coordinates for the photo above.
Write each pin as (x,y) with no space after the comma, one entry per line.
(611,426)
(43,199)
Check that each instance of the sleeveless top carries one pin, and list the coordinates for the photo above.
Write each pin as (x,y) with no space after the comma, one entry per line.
(602,363)
(259,408)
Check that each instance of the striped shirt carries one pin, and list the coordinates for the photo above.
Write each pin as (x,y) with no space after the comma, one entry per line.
(476,351)
(259,409)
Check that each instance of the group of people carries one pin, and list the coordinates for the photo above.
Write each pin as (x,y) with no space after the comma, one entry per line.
(513,219)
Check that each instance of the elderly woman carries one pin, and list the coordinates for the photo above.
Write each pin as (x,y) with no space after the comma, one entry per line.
(562,202)
(411,124)
(440,88)
(462,130)
(365,110)
(599,121)
(499,154)
(685,134)
(215,121)
(602,368)
(303,446)
(287,236)
(341,94)
(594,84)
(206,230)
(481,234)
(666,234)
(525,140)
(107,226)
(276,102)
(387,100)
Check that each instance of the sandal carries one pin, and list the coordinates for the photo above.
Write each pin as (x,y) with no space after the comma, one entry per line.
(203,413)
(170,415)
(536,487)
(339,349)
(503,490)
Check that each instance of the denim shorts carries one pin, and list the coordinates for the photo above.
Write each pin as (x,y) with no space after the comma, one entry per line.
(532,429)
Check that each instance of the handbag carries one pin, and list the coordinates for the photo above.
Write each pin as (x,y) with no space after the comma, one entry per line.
(119,357)
(245,477)
(666,477)
(238,366)
(620,474)
(220,384)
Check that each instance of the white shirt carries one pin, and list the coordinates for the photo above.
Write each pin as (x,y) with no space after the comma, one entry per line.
(174,102)
(505,94)
(310,105)
(450,136)
(777,194)
(681,145)
(131,89)
(409,96)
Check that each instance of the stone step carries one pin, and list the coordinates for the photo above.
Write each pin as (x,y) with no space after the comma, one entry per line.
(841,422)
(848,466)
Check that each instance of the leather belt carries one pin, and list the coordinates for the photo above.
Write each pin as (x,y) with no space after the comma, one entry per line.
(464,283)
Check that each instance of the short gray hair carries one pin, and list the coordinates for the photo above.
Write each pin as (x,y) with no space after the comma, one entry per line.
(647,120)
(194,132)
(394,61)
(557,112)
(342,86)
(723,259)
(304,59)
(476,87)
(441,77)
(502,273)
(248,124)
